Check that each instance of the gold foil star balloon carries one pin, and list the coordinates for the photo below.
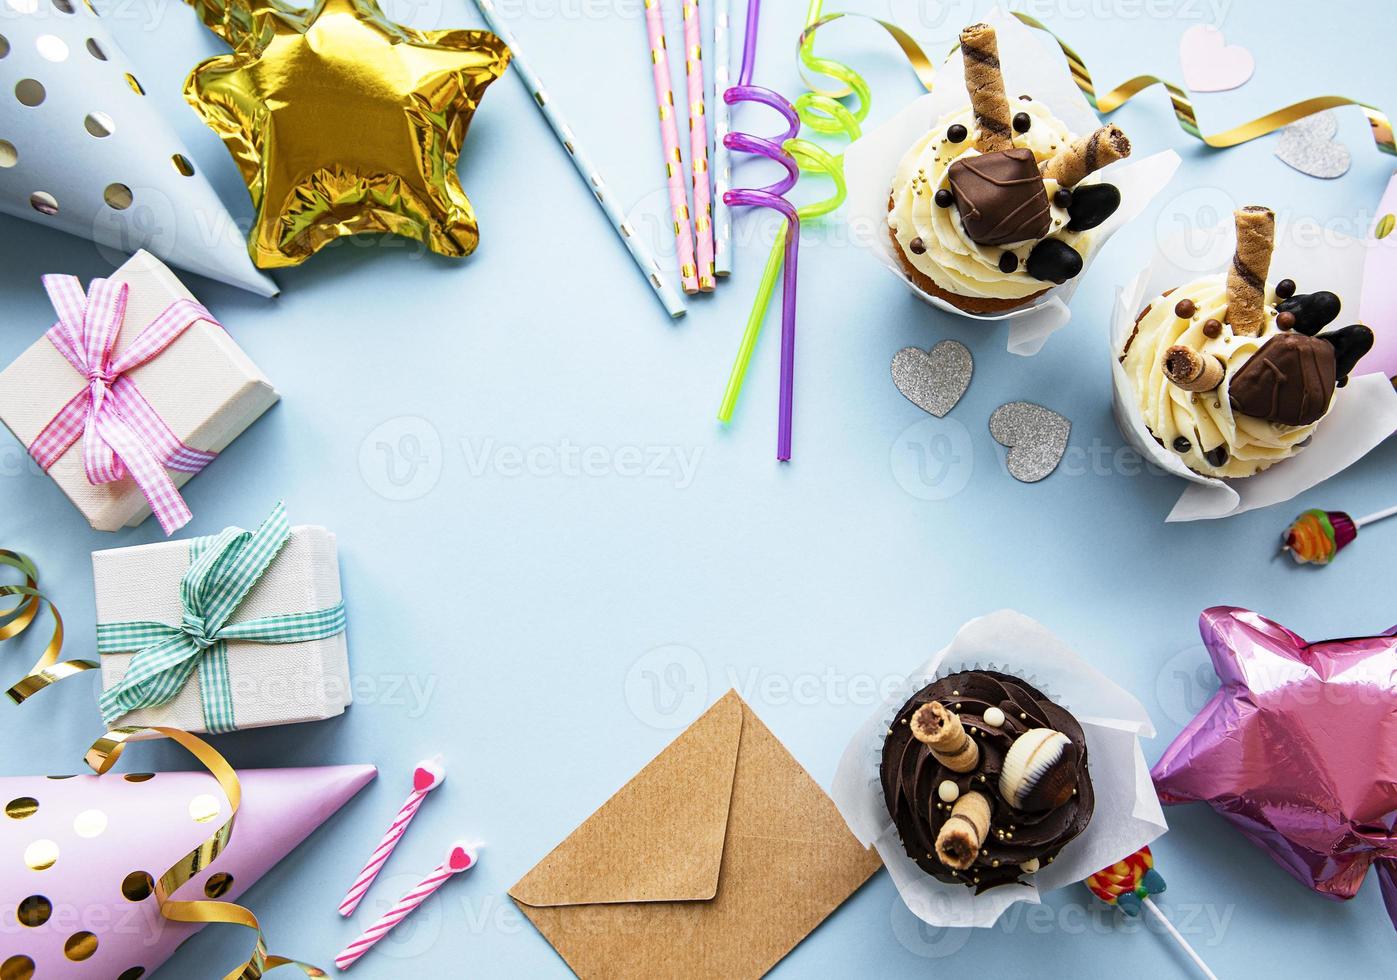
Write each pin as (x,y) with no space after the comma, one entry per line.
(343,122)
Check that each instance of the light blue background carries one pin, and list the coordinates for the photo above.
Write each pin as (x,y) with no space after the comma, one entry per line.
(497,601)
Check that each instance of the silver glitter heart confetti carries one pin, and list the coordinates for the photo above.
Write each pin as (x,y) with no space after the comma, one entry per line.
(934,380)
(1036,438)
(1309,146)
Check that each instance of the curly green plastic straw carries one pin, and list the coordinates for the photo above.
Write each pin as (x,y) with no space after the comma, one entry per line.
(825,115)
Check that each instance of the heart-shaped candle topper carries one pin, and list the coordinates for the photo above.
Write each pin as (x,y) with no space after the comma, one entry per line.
(934,380)
(1036,437)
(428,774)
(462,856)
(1309,146)
(1210,64)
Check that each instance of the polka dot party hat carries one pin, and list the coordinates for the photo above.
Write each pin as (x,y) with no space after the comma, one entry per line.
(79,854)
(85,149)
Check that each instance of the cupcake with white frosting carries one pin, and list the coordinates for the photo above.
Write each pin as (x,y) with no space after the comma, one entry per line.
(993,207)
(1231,372)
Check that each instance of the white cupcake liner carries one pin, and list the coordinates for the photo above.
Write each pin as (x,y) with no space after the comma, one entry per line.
(1029,67)
(1127,814)
(1364,411)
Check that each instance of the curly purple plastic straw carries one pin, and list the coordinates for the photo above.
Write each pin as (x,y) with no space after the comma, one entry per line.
(772,196)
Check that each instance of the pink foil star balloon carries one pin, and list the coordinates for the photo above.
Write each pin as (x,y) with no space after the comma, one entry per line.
(1297,750)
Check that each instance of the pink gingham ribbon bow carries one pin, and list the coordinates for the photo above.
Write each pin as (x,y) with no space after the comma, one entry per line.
(122,435)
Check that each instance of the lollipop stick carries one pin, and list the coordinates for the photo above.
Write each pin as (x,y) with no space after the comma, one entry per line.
(1372,518)
(1183,943)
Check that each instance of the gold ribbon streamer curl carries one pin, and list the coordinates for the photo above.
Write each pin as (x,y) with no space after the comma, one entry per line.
(1184,112)
(103,755)
(19,617)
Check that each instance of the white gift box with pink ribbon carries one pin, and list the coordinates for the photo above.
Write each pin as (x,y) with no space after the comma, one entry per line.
(121,423)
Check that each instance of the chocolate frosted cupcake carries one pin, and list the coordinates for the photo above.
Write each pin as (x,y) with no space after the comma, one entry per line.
(993,206)
(985,778)
(1232,373)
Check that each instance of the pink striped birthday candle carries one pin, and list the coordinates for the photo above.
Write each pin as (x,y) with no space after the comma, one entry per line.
(669,136)
(461,857)
(425,778)
(698,146)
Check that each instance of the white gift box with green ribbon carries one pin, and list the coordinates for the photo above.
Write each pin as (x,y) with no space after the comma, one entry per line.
(242,629)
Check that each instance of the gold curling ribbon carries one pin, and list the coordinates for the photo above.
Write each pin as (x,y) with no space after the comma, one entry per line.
(103,755)
(1105,104)
(16,619)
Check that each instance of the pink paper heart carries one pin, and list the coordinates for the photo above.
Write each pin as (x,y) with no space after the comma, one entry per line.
(1210,64)
(459,860)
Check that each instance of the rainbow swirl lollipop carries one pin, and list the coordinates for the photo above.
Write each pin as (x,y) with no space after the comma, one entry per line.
(1316,536)
(1128,881)
(1128,885)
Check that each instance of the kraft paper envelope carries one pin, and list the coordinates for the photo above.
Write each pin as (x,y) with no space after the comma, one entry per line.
(715,860)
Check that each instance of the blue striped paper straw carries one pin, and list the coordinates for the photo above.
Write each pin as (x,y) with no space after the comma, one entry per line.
(665,289)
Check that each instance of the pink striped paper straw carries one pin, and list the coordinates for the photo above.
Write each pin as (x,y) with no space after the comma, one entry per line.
(425,778)
(460,857)
(669,136)
(698,145)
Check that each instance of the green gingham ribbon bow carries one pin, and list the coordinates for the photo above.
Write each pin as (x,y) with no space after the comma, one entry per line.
(223,569)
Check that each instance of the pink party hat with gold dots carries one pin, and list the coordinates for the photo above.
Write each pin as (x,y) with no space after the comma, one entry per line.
(79,855)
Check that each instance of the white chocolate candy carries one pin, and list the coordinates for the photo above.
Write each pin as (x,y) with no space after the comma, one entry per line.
(994,718)
(1029,866)
(948,791)
(1038,772)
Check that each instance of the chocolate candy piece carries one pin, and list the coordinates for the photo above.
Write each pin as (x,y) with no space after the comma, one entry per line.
(1212,328)
(1054,261)
(1182,445)
(1022,122)
(1285,289)
(1313,311)
(1216,456)
(1008,262)
(1350,344)
(1184,309)
(1290,380)
(1092,205)
(916,246)
(1001,197)
(944,198)
(957,133)
(1285,320)
(1062,197)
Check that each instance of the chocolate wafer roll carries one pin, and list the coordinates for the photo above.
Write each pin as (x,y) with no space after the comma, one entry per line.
(940,730)
(1087,155)
(985,83)
(1246,279)
(958,842)
(1186,368)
